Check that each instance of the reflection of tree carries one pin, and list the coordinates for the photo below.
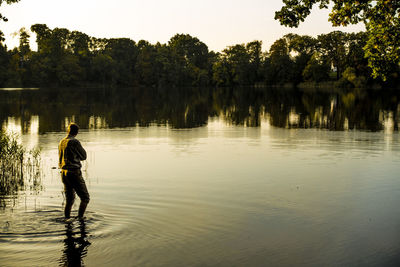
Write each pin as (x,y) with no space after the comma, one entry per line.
(191,107)
(75,245)
(321,111)
(238,106)
(279,104)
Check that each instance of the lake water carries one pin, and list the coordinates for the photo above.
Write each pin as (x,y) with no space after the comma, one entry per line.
(216,178)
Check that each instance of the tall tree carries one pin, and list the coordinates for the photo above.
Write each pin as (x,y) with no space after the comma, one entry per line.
(316,70)
(55,62)
(25,54)
(190,57)
(79,46)
(43,34)
(4,59)
(381,19)
(233,67)
(301,48)
(255,53)
(355,56)
(146,69)
(279,63)
(124,52)
(332,46)
(24,48)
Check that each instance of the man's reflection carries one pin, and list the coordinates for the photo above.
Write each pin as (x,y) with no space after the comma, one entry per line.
(75,245)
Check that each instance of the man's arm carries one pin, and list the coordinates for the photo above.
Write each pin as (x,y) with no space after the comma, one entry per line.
(60,155)
(80,151)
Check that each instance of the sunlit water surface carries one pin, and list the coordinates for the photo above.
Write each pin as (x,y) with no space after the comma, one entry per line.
(215,196)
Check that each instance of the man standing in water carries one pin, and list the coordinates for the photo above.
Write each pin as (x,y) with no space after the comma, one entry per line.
(71,152)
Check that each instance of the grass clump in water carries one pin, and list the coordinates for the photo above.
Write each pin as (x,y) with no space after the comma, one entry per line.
(19,168)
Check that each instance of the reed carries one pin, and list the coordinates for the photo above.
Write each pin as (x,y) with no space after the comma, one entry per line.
(19,168)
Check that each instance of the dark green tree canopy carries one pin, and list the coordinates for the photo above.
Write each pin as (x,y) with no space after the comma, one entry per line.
(381,19)
(70,58)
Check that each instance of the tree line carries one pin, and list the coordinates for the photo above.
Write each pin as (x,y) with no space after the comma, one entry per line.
(72,58)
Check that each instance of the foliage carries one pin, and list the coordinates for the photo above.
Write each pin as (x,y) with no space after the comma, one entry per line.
(279,67)
(189,58)
(381,19)
(351,77)
(316,70)
(333,50)
(4,61)
(72,58)
(239,65)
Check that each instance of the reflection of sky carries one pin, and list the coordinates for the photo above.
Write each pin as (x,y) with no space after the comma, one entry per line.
(29,135)
(14,125)
(387,120)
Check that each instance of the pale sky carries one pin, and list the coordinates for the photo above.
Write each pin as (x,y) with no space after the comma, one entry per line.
(217,23)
